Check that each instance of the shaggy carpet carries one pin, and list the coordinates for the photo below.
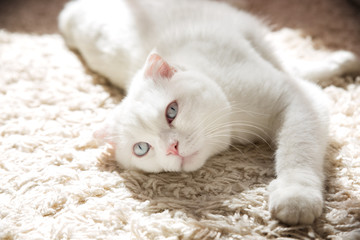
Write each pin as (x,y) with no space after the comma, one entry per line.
(57,183)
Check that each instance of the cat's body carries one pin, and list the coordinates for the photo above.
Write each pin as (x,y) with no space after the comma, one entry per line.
(209,78)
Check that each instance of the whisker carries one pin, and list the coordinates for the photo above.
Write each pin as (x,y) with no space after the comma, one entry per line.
(216,113)
(240,139)
(220,134)
(249,124)
(229,147)
(238,124)
(235,105)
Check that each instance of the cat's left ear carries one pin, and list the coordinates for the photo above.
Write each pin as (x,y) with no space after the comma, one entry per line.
(156,67)
(104,134)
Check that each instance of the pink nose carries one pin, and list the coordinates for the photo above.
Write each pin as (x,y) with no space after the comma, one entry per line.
(173,149)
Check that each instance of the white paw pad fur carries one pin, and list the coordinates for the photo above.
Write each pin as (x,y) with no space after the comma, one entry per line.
(295,204)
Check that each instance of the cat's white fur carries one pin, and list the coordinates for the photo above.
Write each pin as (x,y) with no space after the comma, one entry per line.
(228,84)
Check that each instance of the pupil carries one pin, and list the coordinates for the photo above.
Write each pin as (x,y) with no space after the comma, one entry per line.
(141,148)
(171,111)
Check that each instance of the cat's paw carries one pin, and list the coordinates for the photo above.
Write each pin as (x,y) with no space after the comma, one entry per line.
(294,204)
(341,62)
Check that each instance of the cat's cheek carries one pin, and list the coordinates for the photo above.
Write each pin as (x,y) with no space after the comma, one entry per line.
(146,164)
(195,163)
(139,166)
(171,164)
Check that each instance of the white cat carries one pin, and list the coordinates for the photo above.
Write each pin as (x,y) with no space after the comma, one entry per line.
(199,75)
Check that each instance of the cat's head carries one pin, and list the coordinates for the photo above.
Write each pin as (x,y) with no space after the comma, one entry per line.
(171,120)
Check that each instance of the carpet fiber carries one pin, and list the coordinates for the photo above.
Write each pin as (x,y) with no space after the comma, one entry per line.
(57,183)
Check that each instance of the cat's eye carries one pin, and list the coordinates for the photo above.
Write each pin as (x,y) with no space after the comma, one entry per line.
(171,111)
(141,148)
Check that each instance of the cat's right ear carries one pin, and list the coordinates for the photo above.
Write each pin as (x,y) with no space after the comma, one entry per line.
(156,67)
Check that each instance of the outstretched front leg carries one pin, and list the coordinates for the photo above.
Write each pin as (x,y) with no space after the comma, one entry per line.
(296,195)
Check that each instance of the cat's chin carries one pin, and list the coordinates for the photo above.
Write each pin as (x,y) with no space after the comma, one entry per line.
(192,162)
(186,164)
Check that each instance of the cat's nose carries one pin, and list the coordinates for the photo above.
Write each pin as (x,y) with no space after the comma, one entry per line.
(173,149)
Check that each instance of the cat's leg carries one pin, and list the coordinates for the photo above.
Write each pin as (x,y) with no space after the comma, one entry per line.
(263,47)
(336,64)
(257,39)
(322,65)
(296,193)
(104,34)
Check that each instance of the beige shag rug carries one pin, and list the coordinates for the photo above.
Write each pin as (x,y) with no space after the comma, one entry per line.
(56,183)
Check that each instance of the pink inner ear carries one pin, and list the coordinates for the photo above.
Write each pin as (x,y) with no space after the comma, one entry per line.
(156,65)
(104,136)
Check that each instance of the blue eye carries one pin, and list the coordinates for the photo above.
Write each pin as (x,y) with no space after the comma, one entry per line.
(171,111)
(141,148)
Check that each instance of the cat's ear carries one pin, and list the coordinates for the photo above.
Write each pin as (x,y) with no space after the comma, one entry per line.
(104,134)
(156,67)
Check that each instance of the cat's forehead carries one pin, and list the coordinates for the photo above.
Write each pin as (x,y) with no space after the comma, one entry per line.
(141,116)
(158,87)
